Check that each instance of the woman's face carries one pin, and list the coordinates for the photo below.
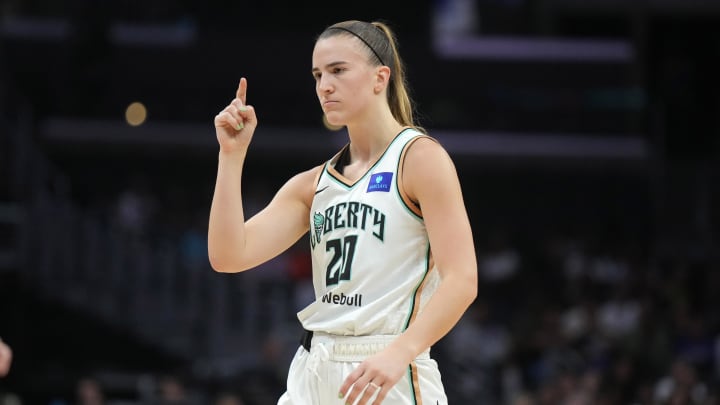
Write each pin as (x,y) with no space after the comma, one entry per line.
(344,78)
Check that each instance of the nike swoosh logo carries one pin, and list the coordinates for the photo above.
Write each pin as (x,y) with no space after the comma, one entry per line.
(321,190)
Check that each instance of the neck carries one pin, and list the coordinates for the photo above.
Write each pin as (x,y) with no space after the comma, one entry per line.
(369,138)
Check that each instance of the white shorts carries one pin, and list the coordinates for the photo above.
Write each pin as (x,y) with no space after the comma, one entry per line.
(315,377)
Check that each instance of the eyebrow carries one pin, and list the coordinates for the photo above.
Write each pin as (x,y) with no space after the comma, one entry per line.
(329,65)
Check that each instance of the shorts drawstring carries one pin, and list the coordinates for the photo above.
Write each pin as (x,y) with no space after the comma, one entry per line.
(318,353)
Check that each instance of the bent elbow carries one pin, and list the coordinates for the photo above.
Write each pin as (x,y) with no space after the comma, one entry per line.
(221,266)
(472,293)
(216,265)
(470,287)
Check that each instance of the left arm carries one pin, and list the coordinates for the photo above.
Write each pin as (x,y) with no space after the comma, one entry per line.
(429,178)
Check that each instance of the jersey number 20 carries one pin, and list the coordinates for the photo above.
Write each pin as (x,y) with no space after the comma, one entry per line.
(340,266)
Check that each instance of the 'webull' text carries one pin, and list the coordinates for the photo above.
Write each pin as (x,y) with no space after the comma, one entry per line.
(354,300)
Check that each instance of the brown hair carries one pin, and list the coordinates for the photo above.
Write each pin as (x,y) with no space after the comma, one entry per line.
(382,50)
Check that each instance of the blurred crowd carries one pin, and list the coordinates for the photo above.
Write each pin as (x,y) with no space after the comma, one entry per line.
(561,319)
(576,321)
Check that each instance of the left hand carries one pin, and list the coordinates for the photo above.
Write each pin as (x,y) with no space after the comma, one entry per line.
(376,375)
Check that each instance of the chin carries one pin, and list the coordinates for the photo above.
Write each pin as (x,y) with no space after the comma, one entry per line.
(331,122)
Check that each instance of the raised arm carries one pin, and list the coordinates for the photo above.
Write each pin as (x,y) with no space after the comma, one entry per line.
(235,244)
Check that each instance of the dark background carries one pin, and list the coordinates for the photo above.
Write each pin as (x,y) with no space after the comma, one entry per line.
(585,134)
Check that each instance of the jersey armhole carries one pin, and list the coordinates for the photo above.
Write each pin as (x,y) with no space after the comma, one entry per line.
(411,205)
(319,173)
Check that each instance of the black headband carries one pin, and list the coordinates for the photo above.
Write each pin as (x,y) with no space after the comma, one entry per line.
(362,39)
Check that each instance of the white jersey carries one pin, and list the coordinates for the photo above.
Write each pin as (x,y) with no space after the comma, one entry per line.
(371,259)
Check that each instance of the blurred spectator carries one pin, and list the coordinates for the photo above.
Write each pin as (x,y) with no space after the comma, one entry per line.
(500,260)
(608,268)
(193,242)
(135,207)
(485,344)
(228,398)
(680,386)
(574,259)
(578,319)
(10,399)
(88,391)
(486,341)
(300,273)
(692,342)
(619,316)
(499,270)
(588,389)
(650,343)
(263,382)
(173,390)
(522,399)
(621,379)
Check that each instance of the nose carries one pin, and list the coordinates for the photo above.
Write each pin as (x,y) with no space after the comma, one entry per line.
(324,84)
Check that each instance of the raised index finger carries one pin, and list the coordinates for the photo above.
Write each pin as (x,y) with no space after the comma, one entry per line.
(242,90)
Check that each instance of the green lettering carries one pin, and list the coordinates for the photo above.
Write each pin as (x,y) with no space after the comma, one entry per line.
(328,220)
(380,222)
(339,222)
(353,207)
(366,209)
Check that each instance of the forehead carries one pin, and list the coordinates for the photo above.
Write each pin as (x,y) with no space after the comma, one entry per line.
(338,48)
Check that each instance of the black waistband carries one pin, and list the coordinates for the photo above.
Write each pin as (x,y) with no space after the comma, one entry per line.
(306,339)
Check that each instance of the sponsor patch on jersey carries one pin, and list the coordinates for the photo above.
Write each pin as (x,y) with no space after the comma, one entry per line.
(380,182)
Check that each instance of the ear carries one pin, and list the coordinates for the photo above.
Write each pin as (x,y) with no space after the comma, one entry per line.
(382,78)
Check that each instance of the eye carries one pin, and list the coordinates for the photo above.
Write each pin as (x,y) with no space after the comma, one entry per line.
(317,75)
(337,70)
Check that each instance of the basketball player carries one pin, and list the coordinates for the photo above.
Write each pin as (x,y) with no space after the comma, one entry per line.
(394,265)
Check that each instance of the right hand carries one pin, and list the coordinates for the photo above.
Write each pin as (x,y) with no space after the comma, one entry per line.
(236,123)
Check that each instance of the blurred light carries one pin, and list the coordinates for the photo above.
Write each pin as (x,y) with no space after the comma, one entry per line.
(180,34)
(34,28)
(509,48)
(135,114)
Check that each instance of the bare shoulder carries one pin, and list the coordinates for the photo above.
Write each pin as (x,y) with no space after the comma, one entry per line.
(427,165)
(303,184)
(426,155)
(426,145)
